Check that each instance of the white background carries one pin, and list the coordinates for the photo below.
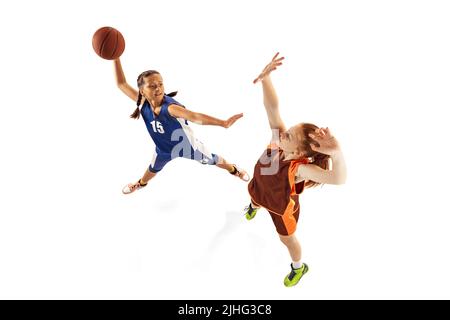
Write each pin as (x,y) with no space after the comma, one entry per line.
(376,72)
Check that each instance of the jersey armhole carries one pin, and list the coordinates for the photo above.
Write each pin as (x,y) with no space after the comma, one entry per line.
(165,109)
(299,164)
(300,187)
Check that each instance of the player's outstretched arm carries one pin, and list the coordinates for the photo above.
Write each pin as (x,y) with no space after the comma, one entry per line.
(200,118)
(122,81)
(270,95)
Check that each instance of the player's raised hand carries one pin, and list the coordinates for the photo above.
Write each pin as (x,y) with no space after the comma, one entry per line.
(325,142)
(276,62)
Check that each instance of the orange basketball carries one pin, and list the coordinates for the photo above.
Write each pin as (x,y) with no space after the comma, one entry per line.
(108,43)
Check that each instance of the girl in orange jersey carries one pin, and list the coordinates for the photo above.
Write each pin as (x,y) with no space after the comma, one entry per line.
(297,158)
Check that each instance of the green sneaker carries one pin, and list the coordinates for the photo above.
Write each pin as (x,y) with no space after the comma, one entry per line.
(295,275)
(250,212)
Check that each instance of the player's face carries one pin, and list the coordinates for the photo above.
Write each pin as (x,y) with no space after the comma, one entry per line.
(153,88)
(291,139)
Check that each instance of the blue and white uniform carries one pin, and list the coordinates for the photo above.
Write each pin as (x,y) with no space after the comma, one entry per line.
(173,137)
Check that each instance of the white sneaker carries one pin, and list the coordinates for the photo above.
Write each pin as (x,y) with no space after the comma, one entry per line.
(132,187)
(241,174)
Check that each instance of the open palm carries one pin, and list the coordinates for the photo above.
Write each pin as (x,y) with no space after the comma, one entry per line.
(276,62)
(326,143)
(228,123)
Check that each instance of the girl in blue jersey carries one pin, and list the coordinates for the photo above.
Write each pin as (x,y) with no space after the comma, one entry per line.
(166,121)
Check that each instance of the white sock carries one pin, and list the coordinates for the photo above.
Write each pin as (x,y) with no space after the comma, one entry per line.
(297,264)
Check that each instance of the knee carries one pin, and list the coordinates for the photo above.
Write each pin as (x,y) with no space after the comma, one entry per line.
(212,161)
(289,241)
(217,160)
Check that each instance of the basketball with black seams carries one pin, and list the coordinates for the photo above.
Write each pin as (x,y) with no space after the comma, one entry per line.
(108,43)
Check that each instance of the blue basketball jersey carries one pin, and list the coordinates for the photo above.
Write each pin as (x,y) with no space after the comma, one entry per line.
(166,131)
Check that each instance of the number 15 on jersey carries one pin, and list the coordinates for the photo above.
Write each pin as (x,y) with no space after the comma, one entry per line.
(157,126)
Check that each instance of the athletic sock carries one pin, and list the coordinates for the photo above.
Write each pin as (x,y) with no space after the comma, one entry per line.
(253,207)
(142,184)
(297,264)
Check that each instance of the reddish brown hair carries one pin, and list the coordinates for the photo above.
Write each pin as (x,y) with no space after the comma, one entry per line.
(319,159)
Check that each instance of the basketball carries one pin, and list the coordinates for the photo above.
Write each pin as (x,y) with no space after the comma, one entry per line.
(108,43)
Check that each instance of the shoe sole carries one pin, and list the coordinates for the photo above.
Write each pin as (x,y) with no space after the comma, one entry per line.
(306,269)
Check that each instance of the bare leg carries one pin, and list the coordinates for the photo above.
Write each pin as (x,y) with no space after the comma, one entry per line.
(148,175)
(293,246)
(223,164)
